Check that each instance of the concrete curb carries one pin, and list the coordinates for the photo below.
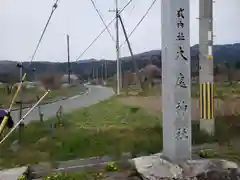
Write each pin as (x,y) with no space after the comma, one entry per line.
(78,165)
(51,102)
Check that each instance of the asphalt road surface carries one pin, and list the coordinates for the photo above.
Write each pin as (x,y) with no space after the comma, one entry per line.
(94,95)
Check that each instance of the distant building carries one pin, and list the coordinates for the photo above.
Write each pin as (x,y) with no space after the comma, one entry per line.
(73,79)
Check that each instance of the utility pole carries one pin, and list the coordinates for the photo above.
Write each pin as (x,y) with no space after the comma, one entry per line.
(206,79)
(69,70)
(102,70)
(117,48)
(34,74)
(20,66)
(105,63)
(97,74)
(93,73)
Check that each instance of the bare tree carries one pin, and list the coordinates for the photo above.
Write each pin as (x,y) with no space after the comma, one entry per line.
(149,73)
(51,81)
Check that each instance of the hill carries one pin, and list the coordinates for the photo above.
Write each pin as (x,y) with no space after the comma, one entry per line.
(222,53)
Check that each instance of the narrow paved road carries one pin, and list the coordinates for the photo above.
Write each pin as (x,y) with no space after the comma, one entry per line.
(94,95)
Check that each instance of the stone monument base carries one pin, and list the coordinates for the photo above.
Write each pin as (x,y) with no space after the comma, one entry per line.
(157,167)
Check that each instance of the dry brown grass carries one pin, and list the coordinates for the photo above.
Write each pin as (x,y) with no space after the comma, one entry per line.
(226,107)
(227,101)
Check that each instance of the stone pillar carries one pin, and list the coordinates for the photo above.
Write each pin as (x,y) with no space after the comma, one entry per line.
(176,80)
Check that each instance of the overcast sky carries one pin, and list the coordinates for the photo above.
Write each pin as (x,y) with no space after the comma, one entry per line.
(21,24)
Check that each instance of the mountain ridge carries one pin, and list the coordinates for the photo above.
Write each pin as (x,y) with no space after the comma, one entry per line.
(222,53)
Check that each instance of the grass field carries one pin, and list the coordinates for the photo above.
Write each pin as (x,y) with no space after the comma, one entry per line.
(30,95)
(106,128)
(221,91)
(109,127)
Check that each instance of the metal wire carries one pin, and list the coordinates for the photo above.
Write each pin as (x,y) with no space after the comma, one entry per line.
(102,31)
(99,14)
(44,30)
(5,119)
(30,110)
(137,25)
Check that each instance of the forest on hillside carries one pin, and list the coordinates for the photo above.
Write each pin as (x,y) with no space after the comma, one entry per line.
(226,61)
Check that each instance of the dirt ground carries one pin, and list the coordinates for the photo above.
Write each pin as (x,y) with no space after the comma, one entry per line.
(153,105)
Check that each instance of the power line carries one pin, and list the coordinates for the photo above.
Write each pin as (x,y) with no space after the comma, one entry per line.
(22,78)
(44,30)
(134,6)
(144,16)
(99,14)
(102,31)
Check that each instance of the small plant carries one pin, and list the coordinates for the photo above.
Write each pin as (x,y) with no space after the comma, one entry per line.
(111,166)
(98,176)
(206,153)
(22,177)
(58,176)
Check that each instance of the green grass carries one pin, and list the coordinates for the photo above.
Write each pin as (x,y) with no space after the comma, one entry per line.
(30,95)
(105,128)
(221,91)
